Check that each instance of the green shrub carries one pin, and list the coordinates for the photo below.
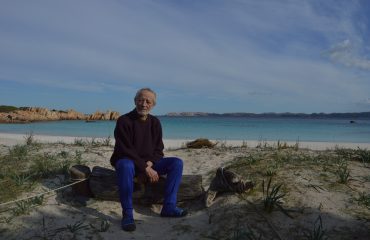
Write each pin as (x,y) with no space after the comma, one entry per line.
(343,173)
(363,155)
(18,152)
(364,199)
(44,166)
(5,108)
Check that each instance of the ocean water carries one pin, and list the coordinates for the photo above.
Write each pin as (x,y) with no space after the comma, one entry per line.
(220,128)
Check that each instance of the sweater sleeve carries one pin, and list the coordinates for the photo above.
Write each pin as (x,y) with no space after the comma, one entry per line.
(158,142)
(123,135)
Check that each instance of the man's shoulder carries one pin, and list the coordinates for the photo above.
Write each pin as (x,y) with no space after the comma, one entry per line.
(123,117)
(155,122)
(154,119)
(127,117)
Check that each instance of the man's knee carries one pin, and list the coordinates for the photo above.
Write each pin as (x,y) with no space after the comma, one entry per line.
(178,163)
(124,165)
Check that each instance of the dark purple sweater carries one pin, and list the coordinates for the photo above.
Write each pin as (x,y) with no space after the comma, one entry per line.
(138,140)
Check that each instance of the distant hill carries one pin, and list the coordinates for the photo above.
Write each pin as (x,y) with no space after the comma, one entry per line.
(359,115)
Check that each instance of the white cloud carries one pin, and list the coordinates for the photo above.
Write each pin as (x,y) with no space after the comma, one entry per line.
(345,53)
(246,49)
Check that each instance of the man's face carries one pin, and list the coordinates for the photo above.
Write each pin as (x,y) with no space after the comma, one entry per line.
(144,103)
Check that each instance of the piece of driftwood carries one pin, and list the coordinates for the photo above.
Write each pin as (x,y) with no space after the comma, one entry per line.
(80,174)
(200,143)
(226,181)
(103,184)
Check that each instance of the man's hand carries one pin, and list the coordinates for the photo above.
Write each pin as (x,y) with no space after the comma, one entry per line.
(151,173)
(149,163)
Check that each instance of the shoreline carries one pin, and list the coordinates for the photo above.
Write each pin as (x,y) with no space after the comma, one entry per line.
(10,139)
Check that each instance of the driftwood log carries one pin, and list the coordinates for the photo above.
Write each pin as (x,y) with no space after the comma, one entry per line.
(103,185)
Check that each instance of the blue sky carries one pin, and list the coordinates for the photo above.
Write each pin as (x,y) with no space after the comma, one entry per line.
(210,55)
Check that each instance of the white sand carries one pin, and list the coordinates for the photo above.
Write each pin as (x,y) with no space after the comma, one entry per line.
(13,139)
(311,191)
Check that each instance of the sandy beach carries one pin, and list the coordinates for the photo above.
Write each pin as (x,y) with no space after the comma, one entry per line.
(13,139)
(308,173)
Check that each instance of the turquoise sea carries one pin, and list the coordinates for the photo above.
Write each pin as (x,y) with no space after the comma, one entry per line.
(220,128)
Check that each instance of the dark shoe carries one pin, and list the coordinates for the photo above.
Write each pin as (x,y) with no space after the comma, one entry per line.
(175,212)
(128,224)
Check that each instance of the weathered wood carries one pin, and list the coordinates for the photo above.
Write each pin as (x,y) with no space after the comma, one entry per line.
(78,173)
(103,184)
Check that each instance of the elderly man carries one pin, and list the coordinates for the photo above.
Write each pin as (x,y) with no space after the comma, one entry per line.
(139,151)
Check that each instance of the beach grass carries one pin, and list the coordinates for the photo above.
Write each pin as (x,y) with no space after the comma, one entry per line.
(283,175)
(343,173)
(364,199)
(329,171)
(272,196)
(93,142)
(24,166)
(246,233)
(318,232)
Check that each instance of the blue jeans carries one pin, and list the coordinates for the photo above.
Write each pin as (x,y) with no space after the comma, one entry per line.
(170,166)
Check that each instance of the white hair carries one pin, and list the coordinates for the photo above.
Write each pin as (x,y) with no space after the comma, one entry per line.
(138,93)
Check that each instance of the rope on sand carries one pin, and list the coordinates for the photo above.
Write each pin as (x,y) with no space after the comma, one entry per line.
(41,194)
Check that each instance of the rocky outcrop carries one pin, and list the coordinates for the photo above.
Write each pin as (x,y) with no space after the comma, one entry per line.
(108,115)
(34,114)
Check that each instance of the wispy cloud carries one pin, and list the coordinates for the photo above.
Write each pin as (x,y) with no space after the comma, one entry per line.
(345,53)
(268,50)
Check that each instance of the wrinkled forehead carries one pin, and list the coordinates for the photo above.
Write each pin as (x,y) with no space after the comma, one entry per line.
(146,95)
